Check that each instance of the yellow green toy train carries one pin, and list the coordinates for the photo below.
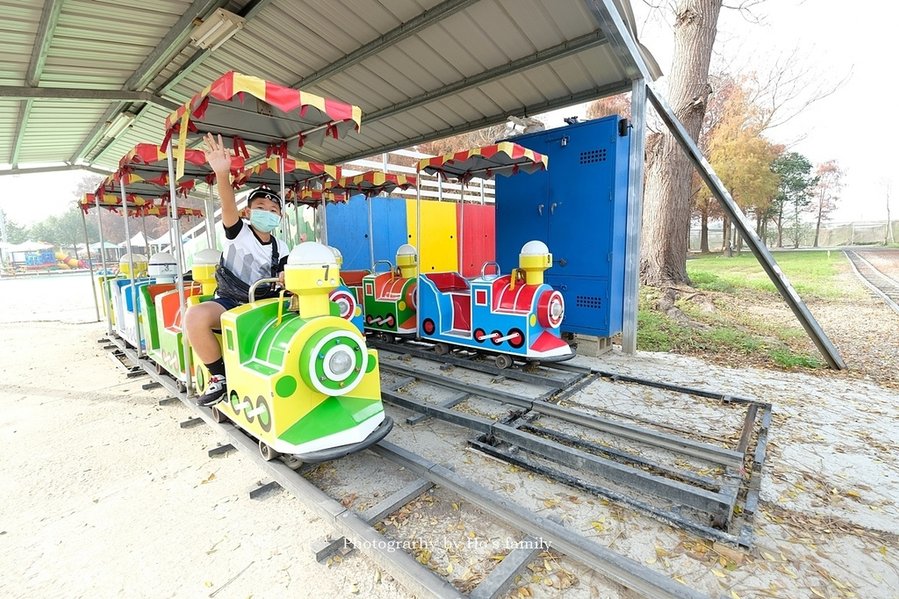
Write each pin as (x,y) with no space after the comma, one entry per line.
(300,377)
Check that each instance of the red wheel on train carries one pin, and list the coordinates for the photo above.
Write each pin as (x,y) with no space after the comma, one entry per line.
(516,338)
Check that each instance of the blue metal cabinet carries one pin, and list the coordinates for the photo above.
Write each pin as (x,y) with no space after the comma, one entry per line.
(348,229)
(578,207)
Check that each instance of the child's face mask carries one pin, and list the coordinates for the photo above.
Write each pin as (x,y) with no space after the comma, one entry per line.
(264,220)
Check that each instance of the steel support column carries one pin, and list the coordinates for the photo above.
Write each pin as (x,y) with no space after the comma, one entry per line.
(634,217)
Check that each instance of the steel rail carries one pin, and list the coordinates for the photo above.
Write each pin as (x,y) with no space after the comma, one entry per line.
(696,449)
(855,259)
(716,503)
(617,567)
(668,517)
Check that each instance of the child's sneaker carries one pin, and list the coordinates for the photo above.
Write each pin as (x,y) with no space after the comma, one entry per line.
(215,391)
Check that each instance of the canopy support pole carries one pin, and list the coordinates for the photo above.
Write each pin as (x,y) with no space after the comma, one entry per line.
(634,218)
(210,218)
(90,265)
(134,296)
(371,238)
(105,285)
(285,223)
(179,261)
(143,224)
(461,240)
(418,250)
(296,218)
(324,221)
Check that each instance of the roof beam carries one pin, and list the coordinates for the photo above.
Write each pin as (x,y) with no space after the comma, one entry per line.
(149,69)
(411,27)
(68,93)
(174,39)
(45,29)
(53,169)
(24,115)
(247,12)
(584,96)
(578,44)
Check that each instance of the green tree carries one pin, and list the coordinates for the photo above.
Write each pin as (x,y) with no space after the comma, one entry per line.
(794,194)
(12,232)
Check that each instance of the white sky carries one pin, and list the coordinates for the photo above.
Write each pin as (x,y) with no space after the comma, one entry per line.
(854,126)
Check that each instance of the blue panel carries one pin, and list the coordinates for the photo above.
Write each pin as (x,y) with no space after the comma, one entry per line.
(348,229)
(578,207)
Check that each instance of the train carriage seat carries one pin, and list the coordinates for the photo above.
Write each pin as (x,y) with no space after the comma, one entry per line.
(455,285)
(171,313)
(449,282)
(353,278)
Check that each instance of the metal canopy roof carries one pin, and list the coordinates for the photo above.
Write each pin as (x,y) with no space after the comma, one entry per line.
(420,69)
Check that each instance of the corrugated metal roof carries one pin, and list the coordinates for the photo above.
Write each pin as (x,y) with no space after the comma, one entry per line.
(473,64)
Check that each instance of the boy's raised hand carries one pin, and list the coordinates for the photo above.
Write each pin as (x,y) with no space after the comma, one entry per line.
(217,155)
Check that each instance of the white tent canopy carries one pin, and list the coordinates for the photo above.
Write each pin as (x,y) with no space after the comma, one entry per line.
(25,246)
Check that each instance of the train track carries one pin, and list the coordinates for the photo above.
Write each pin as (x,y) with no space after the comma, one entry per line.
(625,458)
(880,284)
(357,530)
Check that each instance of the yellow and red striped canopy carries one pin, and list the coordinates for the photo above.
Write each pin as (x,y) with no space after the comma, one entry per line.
(504,158)
(150,163)
(296,173)
(313,197)
(249,110)
(372,183)
(137,206)
(113,202)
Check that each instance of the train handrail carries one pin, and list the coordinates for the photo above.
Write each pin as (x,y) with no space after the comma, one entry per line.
(258,283)
(484,269)
(374,267)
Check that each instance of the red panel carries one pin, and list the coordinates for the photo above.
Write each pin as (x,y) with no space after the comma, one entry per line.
(448,281)
(461,311)
(476,239)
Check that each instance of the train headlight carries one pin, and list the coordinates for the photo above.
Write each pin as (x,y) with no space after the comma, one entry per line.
(339,362)
(333,361)
(550,309)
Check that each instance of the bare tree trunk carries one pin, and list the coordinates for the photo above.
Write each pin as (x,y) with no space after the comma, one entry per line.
(725,234)
(818,224)
(780,226)
(889,236)
(704,228)
(666,211)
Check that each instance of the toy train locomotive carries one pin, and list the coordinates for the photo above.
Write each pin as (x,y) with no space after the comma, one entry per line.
(301,379)
(512,316)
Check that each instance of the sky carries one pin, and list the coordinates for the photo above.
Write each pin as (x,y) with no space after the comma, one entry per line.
(854,126)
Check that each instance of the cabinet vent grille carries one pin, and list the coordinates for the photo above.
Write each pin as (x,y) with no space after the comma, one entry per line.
(590,156)
(588,301)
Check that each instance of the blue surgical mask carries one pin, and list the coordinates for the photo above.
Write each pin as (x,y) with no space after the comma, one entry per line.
(264,220)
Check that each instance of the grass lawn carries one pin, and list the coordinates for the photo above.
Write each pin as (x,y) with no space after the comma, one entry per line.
(812,273)
(728,326)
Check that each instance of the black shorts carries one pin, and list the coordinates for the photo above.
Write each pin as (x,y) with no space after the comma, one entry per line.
(225,303)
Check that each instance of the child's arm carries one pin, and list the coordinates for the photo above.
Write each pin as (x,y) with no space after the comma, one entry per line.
(219,158)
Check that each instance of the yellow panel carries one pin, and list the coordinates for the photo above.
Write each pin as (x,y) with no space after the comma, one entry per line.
(438,251)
